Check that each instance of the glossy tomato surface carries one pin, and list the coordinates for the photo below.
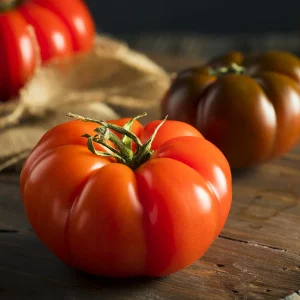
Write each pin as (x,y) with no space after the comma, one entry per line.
(252,116)
(60,29)
(104,218)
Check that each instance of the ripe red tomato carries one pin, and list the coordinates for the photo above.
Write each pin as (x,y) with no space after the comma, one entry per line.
(101,216)
(61,28)
(248,106)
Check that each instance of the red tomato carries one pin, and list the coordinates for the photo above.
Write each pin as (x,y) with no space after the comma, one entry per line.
(61,28)
(103,217)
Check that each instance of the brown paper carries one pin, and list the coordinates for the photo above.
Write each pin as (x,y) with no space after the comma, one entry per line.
(110,81)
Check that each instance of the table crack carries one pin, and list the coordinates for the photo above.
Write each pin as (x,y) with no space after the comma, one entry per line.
(253,243)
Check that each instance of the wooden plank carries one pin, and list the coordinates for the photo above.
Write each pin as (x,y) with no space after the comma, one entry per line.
(257,255)
(266,204)
(167,61)
(229,270)
(9,178)
(12,216)
(206,46)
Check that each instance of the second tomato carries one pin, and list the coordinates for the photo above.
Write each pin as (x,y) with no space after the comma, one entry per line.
(248,106)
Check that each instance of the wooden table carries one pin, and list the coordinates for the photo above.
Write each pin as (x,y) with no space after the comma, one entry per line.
(257,255)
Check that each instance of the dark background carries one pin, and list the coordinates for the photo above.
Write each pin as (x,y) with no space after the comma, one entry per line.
(194,28)
(209,16)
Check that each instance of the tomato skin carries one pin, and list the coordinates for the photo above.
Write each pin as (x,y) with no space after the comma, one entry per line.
(62,28)
(53,207)
(17,55)
(177,214)
(104,218)
(114,206)
(77,18)
(251,117)
(208,162)
(53,37)
(167,132)
(69,133)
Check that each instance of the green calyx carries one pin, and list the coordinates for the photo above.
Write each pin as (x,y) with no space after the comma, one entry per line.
(122,151)
(7,5)
(233,68)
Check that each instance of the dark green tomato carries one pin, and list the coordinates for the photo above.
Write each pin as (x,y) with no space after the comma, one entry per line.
(248,106)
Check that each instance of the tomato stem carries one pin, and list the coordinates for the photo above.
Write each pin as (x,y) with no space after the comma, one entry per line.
(6,5)
(106,135)
(123,152)
(123,131)
(233,68)
(127,140)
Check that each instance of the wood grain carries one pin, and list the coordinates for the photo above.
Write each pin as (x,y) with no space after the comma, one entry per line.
(229,270)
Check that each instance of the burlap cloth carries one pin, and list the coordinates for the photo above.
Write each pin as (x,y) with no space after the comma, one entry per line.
(109,82)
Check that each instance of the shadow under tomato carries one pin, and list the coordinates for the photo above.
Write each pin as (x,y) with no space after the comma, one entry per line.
(242,172)
(112,286)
